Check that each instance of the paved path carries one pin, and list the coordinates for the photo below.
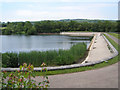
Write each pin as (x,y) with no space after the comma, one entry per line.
(114,38)
(106,77)
(99,50)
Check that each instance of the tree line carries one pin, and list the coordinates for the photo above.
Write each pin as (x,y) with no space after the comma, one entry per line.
(34,28)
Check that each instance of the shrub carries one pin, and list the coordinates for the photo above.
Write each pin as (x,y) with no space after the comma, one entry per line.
(23,79)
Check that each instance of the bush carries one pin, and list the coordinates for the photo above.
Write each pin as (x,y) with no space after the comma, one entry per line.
(24,78)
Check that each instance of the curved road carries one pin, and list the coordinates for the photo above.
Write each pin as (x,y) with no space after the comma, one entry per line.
(106,77)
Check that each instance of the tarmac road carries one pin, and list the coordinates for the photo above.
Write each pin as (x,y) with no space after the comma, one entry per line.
(106,77)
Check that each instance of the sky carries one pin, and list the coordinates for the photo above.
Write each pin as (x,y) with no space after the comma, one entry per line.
(37,10)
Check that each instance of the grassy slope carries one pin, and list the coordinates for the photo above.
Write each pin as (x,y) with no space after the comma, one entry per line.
(115,35)
(2,28)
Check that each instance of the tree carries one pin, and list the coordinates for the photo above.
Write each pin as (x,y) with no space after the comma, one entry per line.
(9,29)
(19,28)
(118,26)
(27,26)
(59,26)
(31,31)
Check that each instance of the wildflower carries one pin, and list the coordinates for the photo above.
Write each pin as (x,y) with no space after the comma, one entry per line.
(43,64)
(29,64)
(11,74)
(12,82)
(10,78)
(25,64)
(20,80)
(25,72)
(29,68)
(18,70)
(4,71)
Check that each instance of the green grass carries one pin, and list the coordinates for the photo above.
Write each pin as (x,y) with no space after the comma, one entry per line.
(2,28)
(115,35)
(97,66)
(112,42)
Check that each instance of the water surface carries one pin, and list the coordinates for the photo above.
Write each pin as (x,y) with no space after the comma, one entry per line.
(17,43)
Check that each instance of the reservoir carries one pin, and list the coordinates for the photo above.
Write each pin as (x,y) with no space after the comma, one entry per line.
(22,43)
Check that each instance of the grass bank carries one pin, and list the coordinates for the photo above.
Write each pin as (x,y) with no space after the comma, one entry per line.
(115,35)
(51,58)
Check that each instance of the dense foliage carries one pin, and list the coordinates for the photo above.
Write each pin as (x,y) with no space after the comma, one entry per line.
(24,79)
(51,58)
(32,28)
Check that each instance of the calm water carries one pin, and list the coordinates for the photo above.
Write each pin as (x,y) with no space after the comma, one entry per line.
(16,43)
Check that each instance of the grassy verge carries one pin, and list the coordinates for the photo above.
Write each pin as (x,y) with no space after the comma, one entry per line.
(112,42)
(115,35)
(103,64)
(51,58)
(2,28)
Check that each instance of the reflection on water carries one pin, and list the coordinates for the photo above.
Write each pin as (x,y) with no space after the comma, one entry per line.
(16,43)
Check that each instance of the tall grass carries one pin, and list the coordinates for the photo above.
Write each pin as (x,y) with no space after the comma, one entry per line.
(51,58)
(9,60)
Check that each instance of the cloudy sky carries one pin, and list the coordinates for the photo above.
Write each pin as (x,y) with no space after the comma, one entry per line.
(36,10)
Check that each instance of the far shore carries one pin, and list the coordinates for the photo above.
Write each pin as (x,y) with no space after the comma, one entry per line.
(48,33)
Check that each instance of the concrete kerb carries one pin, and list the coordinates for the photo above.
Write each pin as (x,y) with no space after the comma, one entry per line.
(91,43)
(111,46)
(70,66)
(90,48)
